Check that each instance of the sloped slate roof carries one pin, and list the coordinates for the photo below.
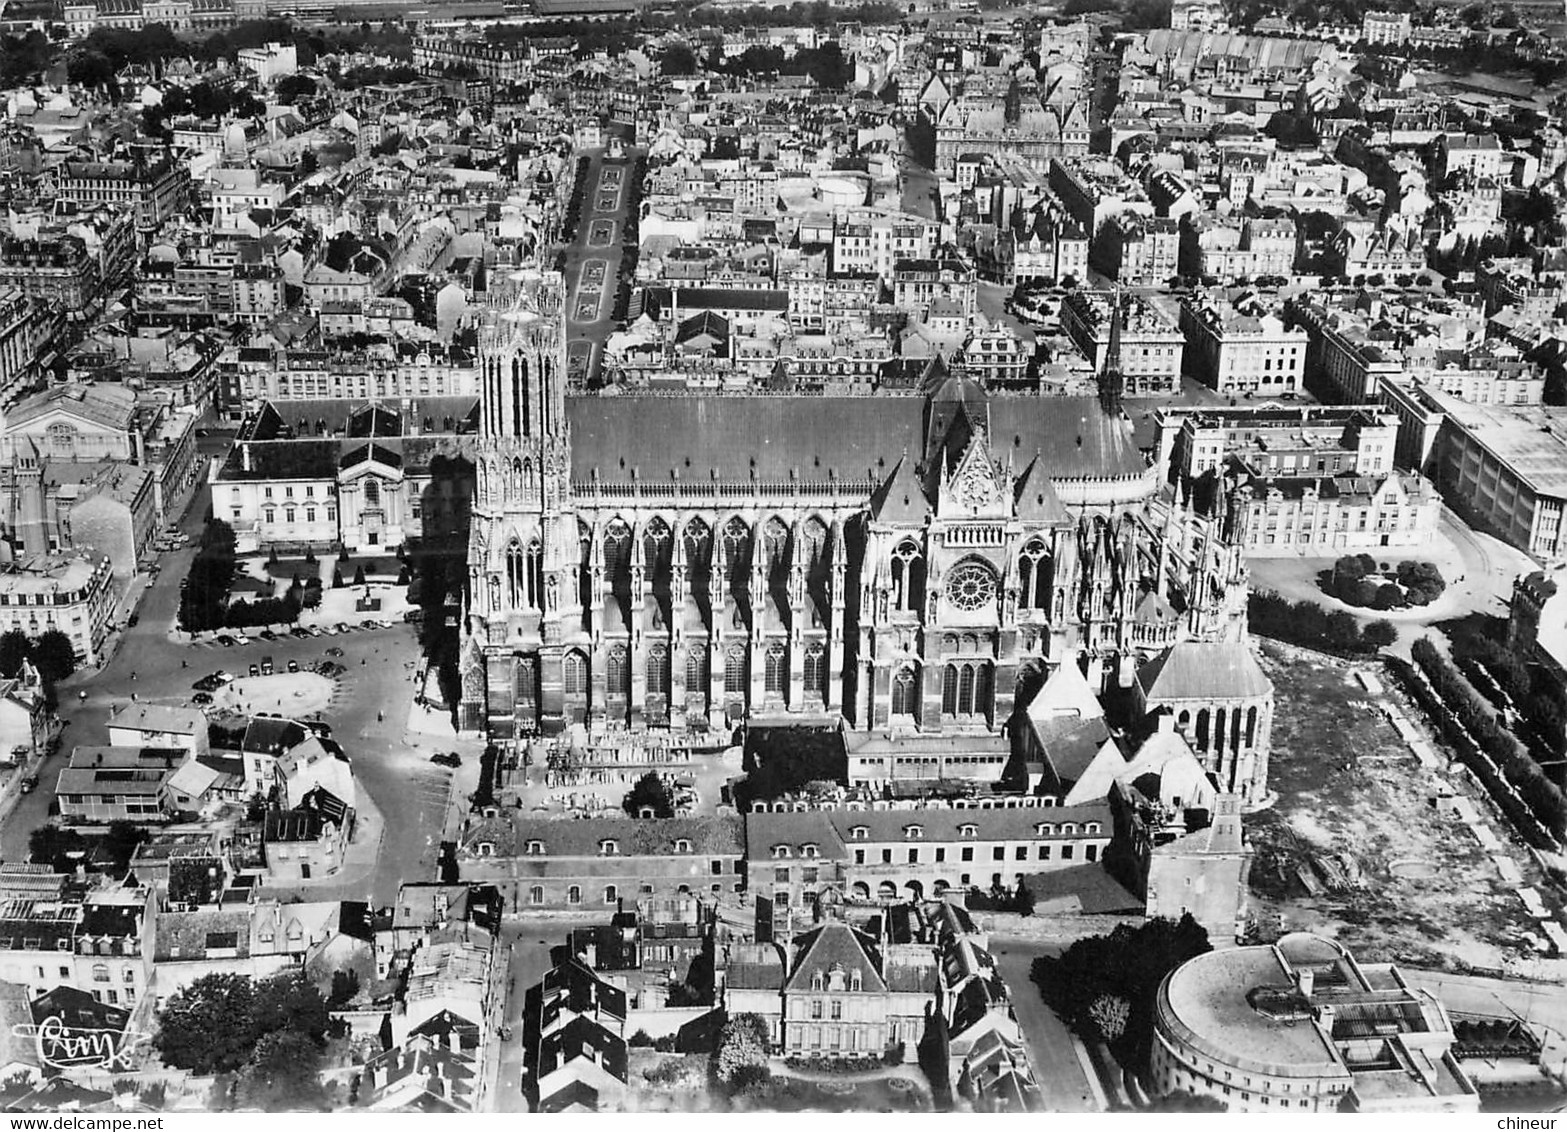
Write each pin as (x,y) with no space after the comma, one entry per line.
(836,945)
(852,439)
(1196,670)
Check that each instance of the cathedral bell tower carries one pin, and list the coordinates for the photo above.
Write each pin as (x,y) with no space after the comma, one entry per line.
(522,547)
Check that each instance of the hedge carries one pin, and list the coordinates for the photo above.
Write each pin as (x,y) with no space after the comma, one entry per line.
(1307,623)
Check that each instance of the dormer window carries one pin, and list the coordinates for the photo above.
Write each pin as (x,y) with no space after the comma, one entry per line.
(1092,827)
(968,830)
(486,848)
(682,845)
(855,981)
(913,832)
(781,852)
(1044,829)
(1069,828)
(609,848)
(859,833)
(816,980)
(535,848)
(810,850)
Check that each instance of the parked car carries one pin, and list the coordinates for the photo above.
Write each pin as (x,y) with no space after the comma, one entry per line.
(447,759)
(267,635)
(342,627)
(266,666)
(241,638)
(414,616)
(300,632)
(201,698)
(208,683)
(29,784)
(314,630)
(293,666)
(226,641)
(334,651)
(255,670)
(224,677)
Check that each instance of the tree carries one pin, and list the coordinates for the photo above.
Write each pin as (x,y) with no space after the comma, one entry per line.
(210,1026)
(678,59)
(1343,631)
(289,1001)
(14,649)
(1022,900)
(649,790)
(120,842)
(1109,1014)
(52,845)
(345,986)
(283,1075)
(359,575)
(1380,634)
(54,656)
(740,1058)
(291,88)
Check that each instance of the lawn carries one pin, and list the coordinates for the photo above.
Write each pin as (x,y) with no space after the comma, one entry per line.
(377,568)
(1395,878)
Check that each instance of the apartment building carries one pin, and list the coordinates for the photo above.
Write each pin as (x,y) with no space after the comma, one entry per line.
(1235,351)
(74,594)
(1151,346)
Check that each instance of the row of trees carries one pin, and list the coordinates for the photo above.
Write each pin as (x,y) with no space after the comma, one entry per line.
(1472,725)
(270,1033)
(205,590)
(1307,623)
(1535,698)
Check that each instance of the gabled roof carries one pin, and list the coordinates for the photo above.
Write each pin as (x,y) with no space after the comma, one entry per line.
(1066,692)
(901,498)
(1036,498)
(836,946)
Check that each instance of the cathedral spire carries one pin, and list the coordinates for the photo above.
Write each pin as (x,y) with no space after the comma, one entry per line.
(1111,381)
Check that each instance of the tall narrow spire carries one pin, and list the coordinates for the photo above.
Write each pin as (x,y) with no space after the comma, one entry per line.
(1111,382)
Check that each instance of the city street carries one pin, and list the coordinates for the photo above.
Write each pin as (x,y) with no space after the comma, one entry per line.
(389,763)
(530,939)
(1061,1075)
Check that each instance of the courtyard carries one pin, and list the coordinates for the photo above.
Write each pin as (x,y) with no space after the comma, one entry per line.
(601,787)
(1358,847)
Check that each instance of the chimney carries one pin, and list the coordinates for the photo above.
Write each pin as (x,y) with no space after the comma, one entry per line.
(1307,978)
(1166,723)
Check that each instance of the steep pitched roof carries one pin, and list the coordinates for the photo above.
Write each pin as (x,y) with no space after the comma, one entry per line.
(836,946)
(1197,670)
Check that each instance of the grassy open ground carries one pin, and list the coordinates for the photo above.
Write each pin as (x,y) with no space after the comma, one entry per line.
(1352,795)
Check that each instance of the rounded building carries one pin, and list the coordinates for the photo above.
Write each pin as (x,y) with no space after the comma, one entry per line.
(1300,1026)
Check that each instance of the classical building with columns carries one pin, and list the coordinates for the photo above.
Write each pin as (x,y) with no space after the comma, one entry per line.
(910,565)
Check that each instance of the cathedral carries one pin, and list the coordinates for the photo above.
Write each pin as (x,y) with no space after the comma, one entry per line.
(908,565)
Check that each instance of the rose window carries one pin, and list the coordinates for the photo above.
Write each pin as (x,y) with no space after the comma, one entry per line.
(971,587)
